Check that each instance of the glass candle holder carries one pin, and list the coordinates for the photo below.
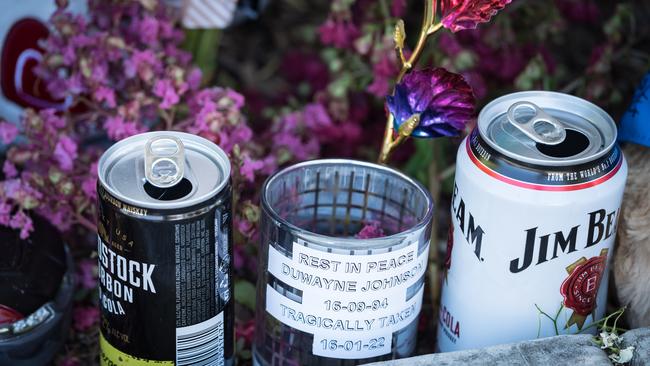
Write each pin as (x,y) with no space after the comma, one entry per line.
(329,292)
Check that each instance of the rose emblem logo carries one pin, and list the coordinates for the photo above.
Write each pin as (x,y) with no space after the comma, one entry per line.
(580,289)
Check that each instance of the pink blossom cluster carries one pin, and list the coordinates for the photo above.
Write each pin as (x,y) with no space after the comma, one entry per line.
(124,70)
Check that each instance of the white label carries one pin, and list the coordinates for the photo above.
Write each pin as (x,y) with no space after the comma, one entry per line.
(513,249)
(352,304)
(205,338)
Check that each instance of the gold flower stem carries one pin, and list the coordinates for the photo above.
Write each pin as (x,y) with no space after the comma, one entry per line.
(428,28)
(390,145)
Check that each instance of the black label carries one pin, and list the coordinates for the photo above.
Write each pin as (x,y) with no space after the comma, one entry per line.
(160,275)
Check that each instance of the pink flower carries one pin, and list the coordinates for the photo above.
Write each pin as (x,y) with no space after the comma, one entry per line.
(5,213)
(52,119)
(316,117)
(85,317)
(23,222)
(143,64)
(165,90)
(87,273)
(236,98)
(467,14)
(384,71)
(380,86)
(371,229)
(449,44)
(249,167)
(104,94)
(9,169)
(65,152)
(194,78)
(147,29)
(89,187)
(117,128)
(57,216)
(340,34)
(8,132)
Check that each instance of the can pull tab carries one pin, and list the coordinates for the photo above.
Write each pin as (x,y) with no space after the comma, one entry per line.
(535,123)
(164,161)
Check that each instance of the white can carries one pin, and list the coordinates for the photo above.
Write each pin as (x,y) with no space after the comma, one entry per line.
(536,201)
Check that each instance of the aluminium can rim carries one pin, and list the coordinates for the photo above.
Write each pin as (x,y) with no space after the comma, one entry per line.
(210,149)
(567,103)
(346,242)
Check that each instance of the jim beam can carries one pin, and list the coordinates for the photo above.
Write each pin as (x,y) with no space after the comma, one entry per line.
(535,205)
(165,252)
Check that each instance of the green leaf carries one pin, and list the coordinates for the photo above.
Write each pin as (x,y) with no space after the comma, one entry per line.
(339,87)
(418,165)
(203,44)
(245,294)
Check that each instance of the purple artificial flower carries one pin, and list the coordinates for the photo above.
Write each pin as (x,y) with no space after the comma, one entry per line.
(467,14)
(443,100)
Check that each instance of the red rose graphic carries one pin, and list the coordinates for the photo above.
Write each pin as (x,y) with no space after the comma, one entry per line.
(580,289)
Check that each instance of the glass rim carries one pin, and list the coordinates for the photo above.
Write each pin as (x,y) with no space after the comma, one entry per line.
(341,241)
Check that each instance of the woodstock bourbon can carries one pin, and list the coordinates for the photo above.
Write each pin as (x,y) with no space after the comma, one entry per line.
(165,251)
(535,206)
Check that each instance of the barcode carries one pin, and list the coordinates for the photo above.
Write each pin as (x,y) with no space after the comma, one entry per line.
(201,344)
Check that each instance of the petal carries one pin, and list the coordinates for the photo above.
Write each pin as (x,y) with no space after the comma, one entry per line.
(398,105)
(467,14)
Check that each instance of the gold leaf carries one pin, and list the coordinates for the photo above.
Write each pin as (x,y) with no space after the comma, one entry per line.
(400,35)
(407,128)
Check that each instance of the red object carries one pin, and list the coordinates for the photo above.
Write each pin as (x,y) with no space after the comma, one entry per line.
(20,54)
(467,14)
(581,287)
(8,315)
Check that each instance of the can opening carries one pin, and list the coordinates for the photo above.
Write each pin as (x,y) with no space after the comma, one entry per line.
(574,143)
(180,190)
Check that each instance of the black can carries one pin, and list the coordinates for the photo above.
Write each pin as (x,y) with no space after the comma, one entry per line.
(165,251)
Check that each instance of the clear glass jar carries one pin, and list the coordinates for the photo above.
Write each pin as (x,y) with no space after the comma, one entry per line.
(313,311)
